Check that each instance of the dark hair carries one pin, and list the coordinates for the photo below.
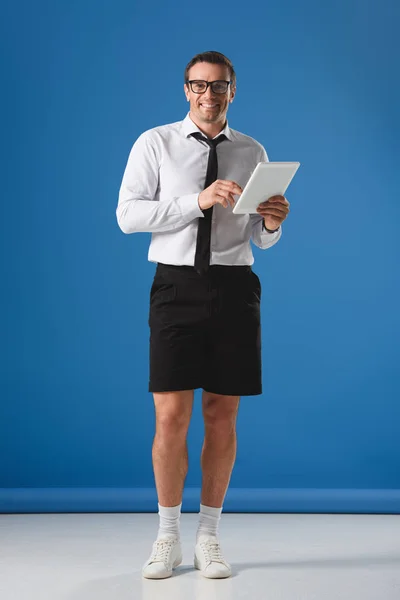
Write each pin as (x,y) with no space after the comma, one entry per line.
(213,57)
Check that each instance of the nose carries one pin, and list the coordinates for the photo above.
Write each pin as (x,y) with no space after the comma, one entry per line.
(208,95)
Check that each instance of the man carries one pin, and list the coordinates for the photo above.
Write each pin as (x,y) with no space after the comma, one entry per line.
(205,298)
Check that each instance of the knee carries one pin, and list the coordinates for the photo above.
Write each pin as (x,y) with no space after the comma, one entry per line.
(220,414)
(172,423)
(173,413)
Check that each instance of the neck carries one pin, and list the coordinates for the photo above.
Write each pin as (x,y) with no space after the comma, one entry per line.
(209,129)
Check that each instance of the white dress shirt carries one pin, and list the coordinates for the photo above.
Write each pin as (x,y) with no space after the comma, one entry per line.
(163,178)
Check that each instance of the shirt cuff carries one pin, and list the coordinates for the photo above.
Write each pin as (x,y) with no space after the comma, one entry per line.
(264,229)
(189,206)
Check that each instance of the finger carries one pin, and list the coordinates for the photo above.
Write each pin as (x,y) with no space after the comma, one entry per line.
(232,186)
(235,187)
(226,199)
(273,203)
(273,212)
(273,206)
(222,200)
(231,200)
(225,193)
(275,200)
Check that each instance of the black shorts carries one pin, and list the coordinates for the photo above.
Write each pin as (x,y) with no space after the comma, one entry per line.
(205,330)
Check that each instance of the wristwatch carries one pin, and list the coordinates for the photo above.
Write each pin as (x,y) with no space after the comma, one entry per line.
(269,230)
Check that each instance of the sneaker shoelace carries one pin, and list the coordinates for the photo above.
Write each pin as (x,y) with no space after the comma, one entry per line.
(212,551)
(161,550)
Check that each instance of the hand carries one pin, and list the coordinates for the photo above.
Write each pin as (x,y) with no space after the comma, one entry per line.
(274,210)
(219,192)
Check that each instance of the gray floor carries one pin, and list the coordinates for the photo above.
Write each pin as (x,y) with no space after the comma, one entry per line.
(274,557)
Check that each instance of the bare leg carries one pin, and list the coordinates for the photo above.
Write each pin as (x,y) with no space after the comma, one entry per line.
(169,453)
(219,447)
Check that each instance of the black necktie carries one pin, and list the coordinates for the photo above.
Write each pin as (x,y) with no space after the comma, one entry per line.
(202,256)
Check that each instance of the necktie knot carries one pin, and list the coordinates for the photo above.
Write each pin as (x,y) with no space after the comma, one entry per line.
(212,143)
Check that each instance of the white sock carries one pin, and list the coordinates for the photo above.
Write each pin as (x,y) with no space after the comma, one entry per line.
(209,521)
(169,520)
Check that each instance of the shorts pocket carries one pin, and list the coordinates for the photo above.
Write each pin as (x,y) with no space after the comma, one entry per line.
(162,293)
(257,284)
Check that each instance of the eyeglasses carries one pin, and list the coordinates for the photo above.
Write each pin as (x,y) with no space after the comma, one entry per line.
(198,86)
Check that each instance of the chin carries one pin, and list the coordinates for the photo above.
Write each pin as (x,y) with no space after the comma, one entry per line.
(209,119)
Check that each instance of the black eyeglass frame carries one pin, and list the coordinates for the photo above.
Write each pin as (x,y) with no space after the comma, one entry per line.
(191,81)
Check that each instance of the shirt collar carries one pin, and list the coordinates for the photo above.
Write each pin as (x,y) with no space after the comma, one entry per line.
(188,127)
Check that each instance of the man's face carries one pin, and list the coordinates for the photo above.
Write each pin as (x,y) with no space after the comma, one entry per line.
(209,107)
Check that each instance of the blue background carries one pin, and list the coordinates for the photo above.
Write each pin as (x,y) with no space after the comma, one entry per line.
(317,83)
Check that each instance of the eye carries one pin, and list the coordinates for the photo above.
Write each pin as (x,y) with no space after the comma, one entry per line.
(198,85)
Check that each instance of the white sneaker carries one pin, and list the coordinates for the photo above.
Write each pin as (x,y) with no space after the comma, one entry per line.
(166,554)
(208,558)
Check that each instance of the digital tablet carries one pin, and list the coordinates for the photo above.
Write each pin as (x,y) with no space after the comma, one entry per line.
(268,179)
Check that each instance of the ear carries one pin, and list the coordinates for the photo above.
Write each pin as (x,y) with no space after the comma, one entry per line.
(186,91)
